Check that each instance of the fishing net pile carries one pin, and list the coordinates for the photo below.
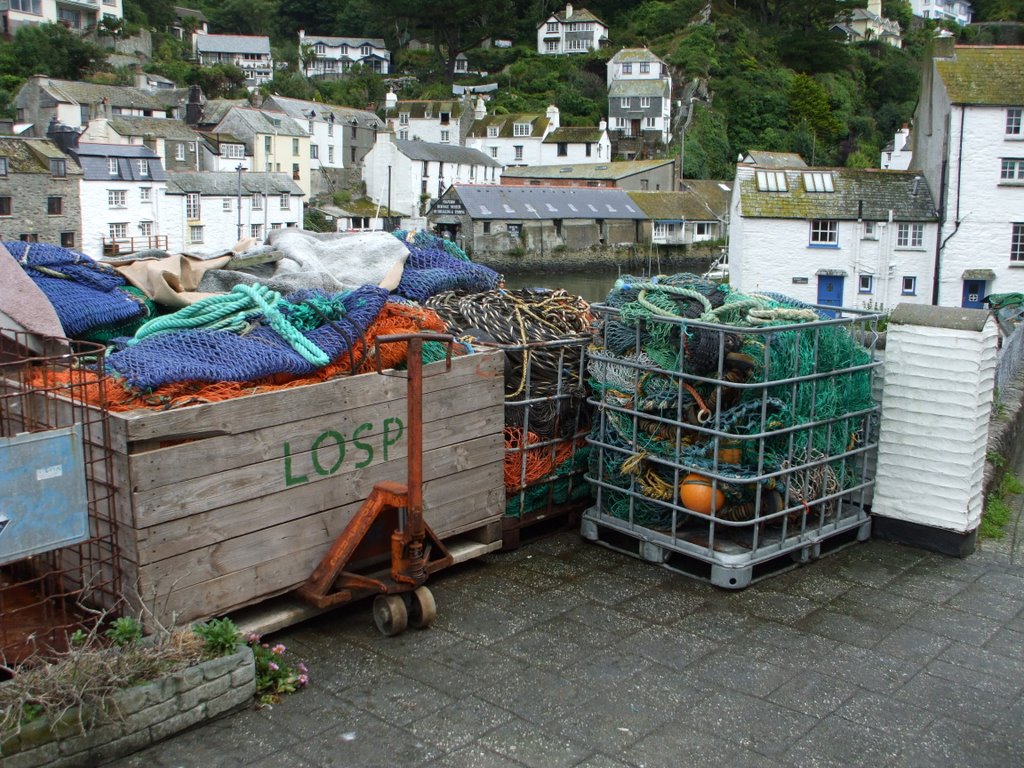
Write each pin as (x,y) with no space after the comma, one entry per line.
(719,405)
(544,335)
(436,265)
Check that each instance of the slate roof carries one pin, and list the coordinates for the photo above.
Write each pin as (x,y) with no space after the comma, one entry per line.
(33,156)
(215,110)
(869,194)
(613,170)
(351,42)
(506,125)
(214,140)
(247,123)
(72,91)
(578,14)
(774,159)
(418,109)
(634,54)
(444,153)
(225,183)
(984,75)
(497,202)
(571,135)
(158,127)
(233,44)
(633,88)
(299,109)
(702,200)
(93,159)
(181,13)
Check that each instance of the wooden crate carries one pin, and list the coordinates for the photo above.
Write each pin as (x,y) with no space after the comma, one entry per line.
(223,505)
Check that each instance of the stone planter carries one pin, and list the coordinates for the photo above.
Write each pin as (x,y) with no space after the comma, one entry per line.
(141,716)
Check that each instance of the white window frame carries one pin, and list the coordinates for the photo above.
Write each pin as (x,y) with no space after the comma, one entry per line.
(645,102)
(1011,169)
(145,194)
(226,204)
(624,102)
(179,152)
(552,27)
(1017,243)
(193,206)
(330,154)
(521,129)
(257,201)
(195,233)
(285,201)
(627,69)
(314,152)
(866,284)
(403,118)
(492,131)
(234,151)
(117,198)
(112,166)
(824,233)
(518,149)
(4,166)
(494,151)
(446,137)
(908,285)
(645,67)
(650,122)
(145,229)
(143,167)
(772,181)
(817,181)
(118,230)
(909,235)
(256,231)
(1015,122)
(870,230)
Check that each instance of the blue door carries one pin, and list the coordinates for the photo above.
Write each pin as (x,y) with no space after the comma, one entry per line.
(974,292)
(830,291)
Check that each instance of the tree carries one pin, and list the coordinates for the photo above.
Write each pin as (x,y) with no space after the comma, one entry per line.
(810,109)
(49,49)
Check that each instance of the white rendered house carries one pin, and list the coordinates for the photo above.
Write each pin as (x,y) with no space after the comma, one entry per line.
(576,145)
(78,15)
(440,122)
(407,176)
(969,144)
(331,57)
(959,11)
(833,236)
(639,95)
(250,53)
(339,137)
(512,139)
(573,30)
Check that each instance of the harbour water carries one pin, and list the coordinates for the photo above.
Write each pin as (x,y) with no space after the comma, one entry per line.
(593,286)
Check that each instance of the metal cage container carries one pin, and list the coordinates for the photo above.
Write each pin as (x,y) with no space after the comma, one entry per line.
(740,451)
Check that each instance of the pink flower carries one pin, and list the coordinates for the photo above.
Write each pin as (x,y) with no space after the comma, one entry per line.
(302,668)
(278,649)
(253,638)
(303,679)
(273,667)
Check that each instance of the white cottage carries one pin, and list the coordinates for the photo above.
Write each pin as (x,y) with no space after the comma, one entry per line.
(833,236)
(512,139)
(969,144)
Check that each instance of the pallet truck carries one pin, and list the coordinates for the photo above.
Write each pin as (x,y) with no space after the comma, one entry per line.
(389,524)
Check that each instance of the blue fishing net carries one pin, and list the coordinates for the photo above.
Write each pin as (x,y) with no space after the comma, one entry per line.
(220,355)
(435,265)
(84,293)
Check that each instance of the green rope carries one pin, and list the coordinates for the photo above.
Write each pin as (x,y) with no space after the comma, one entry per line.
(235,312)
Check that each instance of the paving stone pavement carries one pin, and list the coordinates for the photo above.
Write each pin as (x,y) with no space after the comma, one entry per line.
(565,654)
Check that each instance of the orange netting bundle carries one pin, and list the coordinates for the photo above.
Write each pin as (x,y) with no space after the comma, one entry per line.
(394,318)
(541,459)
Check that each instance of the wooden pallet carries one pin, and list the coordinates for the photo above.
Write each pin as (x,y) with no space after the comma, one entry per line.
(516,531)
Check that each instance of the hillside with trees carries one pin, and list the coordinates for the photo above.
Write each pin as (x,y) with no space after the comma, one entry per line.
(767,74)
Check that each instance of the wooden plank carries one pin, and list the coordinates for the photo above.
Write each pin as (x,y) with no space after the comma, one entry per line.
(257,578)
(186,461)
(334,464)
(244,414)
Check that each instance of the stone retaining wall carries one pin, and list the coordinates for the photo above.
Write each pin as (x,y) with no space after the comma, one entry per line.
(141,716)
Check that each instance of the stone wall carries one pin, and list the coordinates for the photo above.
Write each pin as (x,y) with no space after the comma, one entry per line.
(143,715)
(631,259)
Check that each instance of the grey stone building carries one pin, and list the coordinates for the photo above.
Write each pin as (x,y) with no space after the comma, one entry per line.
(39,193)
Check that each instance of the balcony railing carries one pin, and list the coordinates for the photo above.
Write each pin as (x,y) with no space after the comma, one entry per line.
(118,245)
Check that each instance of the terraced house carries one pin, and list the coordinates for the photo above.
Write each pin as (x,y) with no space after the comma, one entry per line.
(513,139)
(39,195)
(441,122)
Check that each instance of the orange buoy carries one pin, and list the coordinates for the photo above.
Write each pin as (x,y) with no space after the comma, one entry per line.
(696,493)
(730,452)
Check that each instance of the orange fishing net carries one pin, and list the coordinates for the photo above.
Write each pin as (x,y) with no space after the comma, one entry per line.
(540,460)
(393,319)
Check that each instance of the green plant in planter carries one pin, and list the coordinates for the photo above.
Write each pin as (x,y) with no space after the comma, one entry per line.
(124,632)
(274,676)
(220,636)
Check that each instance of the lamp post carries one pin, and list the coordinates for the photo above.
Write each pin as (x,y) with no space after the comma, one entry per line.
(239,168)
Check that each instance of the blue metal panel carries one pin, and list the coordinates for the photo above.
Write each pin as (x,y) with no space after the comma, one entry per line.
(974,294)
(830,291)
(44,505)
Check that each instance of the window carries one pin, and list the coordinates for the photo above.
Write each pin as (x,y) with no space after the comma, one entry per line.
(445,118)
(487,227)
(563,149)
(909,235)
(54,206)
(644,185)
(627,69)
(67,239)
(330,154)
(143,167)
(494,151)
(310,127)
(702,229)
(552,26)
(446,137)
(146,228)
(866,284)
(112,166)
(295,172)
(192,206)
(118,230)
(645,102)
(330,127)
(514,230)
(29,237)
(870,231)
(226,204)
(403,118)
(195,234)
(365,50)
(624,102)
(1012,169)
(521,129)
(286,201)
(909,285)
(772,181)
(27,6)
(650,122)
(277,224)
(352,154)
(403,135)
(353,133)
(256,231)
(266,143)
(819,182)
(58,167)
(234,151)
(645,67)
(1015,121)
(824,232)
(314,152)
(179,152)
(551,46)
(519,151)
(117,198)
(257,201)
(1017,243)
(3,166)
(492,131)
(5,205)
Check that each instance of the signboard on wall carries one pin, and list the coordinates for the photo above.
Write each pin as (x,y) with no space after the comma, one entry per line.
(449,206)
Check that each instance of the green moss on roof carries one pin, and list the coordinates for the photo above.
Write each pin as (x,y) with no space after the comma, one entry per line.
(506,125)
(33,156)
(611,170)
(574,135)
(984,75)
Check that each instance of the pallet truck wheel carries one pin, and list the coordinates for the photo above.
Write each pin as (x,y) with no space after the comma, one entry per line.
(390,615)
(422,608)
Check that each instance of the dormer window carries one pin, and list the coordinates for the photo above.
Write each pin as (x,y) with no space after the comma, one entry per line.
(645,67)
(492,131)
(143,167)
(403,118)
(320,49)
(627,69)
(366,50)
(445,118)
(553,27)
(772,181)
(521,129)
(112,166)
(819,182)
(58,167)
